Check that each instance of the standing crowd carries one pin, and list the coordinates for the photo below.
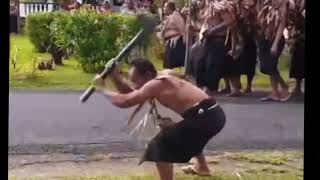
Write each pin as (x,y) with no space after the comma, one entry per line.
(127,6)
(227,38)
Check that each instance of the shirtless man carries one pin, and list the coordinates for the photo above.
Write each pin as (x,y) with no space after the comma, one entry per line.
(174,34)
(14,16)
(106,8)
(203,118)
(74,7)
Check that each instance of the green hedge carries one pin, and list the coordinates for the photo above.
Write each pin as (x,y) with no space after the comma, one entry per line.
(94,38)
(38,30)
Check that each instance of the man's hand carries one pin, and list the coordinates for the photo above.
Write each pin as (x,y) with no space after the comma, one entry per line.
(116,73)
(110,63)
(230,53)
(189,27)
(273,51)
(99,83)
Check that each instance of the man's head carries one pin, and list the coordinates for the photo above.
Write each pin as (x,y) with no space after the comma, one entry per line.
(201,4)
(247,7)
(247,4)
(106,4)
(130,4)
(169,8)
(141,72)
(77,5)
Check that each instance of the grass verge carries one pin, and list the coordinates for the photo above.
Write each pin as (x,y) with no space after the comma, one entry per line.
(70,76)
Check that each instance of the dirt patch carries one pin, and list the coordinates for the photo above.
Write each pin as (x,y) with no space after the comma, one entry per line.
(60,166)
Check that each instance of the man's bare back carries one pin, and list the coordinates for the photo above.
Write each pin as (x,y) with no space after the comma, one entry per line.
(177,94)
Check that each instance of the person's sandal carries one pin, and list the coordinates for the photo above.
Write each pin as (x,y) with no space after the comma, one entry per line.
(190,169)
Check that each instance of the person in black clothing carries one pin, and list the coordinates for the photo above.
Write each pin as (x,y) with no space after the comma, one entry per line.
(248,55)
(173,32)
(297,33)
(14,17)
(271,43)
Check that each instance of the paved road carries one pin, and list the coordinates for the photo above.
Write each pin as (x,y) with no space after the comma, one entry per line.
(56,121)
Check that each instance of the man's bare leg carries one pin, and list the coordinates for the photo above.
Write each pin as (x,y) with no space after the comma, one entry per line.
(297,90)
(274,84)
(274,96)
(199,166)
(202,165)
(236,87)
(249,84)
(211,93)
(284,88)
(165,170)
(227,88)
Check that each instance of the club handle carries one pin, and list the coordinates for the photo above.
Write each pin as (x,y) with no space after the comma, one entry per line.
(85,96)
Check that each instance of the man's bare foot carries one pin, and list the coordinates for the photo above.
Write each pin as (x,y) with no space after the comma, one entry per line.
(225,91)
(271,97)
(235,94)
(248,90)
(210,93)
(285,95)
(194,169)
(193,161)
(296,92)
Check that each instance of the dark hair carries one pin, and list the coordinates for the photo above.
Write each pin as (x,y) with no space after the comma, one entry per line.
(144,66)
(171,5)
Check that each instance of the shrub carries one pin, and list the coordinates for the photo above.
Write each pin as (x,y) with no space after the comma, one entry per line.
(95,38)
(40,33)
(156,49)
(38,30)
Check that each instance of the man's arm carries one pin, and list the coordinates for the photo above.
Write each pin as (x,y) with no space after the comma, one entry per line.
(234,41)
(226,22)
(302,6)
(220,27)
(149,90)
(181,24)
(121,84)
(282,25)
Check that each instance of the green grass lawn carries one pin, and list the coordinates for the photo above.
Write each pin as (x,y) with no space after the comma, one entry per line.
(242,165)
(67,77)
(70,76)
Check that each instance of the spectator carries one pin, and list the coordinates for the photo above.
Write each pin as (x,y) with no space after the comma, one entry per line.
(174,33)
(128,7)
(146,5)
(184,12)
(14,17)
(74,7)
(106,7)
(270,45)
